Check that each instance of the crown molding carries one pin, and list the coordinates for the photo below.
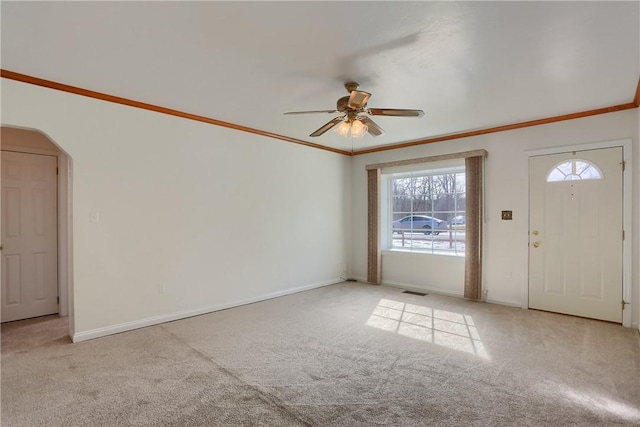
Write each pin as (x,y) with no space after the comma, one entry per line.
(156,108)
(163,110)
(634,104)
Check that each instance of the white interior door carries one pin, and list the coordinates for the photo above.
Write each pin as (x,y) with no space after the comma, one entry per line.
(575,233)
(29,236)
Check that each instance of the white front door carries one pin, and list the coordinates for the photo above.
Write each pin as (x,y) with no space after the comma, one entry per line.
(29,236)
(575,233)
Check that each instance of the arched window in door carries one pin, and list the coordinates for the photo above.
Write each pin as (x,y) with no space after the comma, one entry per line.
(574,170)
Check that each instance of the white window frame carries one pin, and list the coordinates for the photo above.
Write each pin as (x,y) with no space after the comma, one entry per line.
(386,212)
(574,175)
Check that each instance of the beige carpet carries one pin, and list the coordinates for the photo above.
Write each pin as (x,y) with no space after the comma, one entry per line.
(343,355)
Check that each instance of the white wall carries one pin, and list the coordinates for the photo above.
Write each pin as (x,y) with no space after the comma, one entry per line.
(506,188)
(191,217)
(441,274)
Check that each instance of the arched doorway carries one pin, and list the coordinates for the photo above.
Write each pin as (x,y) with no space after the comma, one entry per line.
(33,146)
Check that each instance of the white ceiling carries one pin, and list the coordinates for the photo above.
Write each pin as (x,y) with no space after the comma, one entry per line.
(468,65)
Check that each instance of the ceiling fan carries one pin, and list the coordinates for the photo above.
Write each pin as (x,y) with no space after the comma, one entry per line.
(354,114)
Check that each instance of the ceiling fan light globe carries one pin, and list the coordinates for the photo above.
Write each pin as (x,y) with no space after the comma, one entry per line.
(358,129)
(343,129)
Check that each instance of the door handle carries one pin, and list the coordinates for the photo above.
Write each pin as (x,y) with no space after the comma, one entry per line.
(536,244)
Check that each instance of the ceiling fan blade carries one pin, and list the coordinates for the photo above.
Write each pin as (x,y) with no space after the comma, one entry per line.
(358,99)
(312,112)
(327,126)
(395,112)
(372,126)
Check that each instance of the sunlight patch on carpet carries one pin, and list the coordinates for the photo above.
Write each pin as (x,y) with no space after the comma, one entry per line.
(601,405)
(445,328)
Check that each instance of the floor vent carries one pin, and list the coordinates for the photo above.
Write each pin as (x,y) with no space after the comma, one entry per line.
(414,293)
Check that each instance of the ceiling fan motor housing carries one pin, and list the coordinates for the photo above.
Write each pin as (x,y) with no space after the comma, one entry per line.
(343,104)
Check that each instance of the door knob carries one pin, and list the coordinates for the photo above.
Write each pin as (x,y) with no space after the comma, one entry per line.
(534,232)
(536,244)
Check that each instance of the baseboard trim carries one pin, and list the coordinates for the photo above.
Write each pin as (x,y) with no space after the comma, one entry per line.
(408,287)
(438,291)
(156,320)
(509,303)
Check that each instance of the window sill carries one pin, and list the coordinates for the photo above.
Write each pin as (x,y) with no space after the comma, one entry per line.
(405,252)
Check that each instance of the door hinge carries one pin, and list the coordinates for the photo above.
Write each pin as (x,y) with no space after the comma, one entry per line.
(623,235)
(623,303)
(624,164)
(57,172)
(58,300)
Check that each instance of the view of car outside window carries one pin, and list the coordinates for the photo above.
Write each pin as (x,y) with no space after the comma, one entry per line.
(428,212)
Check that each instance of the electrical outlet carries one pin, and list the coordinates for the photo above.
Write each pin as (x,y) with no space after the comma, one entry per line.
(507,215)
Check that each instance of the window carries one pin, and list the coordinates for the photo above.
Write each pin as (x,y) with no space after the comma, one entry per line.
(426,210)
(574,170)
